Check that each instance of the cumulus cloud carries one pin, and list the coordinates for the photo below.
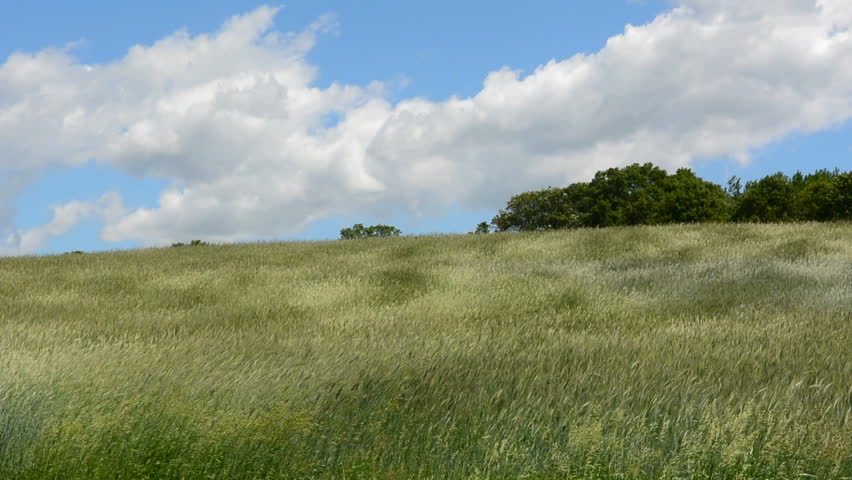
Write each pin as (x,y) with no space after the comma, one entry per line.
(12,184)
(108,207)
(235,120)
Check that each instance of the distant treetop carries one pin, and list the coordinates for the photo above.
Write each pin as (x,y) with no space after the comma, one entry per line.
(359,231)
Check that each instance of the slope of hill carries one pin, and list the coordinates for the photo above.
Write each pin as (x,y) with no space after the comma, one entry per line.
(712,351)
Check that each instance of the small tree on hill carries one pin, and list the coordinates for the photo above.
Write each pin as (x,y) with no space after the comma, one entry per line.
(483,228)
(359,231)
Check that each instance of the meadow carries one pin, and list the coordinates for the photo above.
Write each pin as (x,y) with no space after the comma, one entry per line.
(673,352)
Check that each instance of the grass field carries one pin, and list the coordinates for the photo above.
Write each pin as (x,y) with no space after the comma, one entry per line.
(712,352)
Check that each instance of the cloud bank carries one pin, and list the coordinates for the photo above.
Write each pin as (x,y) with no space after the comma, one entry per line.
(235,121)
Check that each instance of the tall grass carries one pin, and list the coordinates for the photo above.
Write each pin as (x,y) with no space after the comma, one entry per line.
(714,352)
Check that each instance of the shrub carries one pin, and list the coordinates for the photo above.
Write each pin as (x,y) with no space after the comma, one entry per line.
(483,227)
(359,231)
(193,243)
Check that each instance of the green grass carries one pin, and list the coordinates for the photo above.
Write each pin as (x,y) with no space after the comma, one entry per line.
(711,352)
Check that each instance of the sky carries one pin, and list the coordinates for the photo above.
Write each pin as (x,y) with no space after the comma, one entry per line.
(139,124)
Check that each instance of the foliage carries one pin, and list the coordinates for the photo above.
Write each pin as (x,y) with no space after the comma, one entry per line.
(359,231)
(815,197)
(633,195)
(735,188)
(647,195)
(483,227)
(622,196)
(842,198)
(685,198)
(193,243)
(769,199)
(821,196)
(550,209)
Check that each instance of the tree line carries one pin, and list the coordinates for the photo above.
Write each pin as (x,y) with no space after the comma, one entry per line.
(648,195)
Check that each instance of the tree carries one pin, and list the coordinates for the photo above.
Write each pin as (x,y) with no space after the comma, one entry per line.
(735,187)
(617,196)
(767,200)
(548,209)
(482,228)
(685,198)
(622,196)
(359,231)
(842,203)
(815,196)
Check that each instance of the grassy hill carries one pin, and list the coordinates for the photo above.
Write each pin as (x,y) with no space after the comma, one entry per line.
(715,351)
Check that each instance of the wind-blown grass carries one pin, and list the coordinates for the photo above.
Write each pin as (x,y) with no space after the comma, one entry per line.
(714,351)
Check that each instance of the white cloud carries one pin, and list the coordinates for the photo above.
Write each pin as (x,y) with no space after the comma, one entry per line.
(109,207)
(235,119)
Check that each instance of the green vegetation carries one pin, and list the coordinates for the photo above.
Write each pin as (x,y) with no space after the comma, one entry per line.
(483,227)
(647,195)
(193,243)
(359,231)
(693,351)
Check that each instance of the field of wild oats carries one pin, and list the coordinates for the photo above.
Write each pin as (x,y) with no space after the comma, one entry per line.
(714,352)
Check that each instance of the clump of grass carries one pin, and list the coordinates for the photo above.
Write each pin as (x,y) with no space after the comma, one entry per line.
(714,351)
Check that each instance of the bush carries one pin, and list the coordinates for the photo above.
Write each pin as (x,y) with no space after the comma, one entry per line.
(193,243)
(359,231)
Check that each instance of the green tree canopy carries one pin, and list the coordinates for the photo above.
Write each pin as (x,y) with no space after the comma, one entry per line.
(622,196)
(815,196)
(359,231)
(842,200)
(482,227)
(633,195)
(645,194)
(685,198)
(552,208)
(769,199)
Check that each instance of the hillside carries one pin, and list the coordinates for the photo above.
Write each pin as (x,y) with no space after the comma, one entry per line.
(647,352)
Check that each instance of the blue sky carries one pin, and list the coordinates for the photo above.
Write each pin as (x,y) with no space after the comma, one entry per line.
(431,51)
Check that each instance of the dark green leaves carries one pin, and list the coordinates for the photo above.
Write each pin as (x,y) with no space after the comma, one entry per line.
(647,195)
(359,231)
